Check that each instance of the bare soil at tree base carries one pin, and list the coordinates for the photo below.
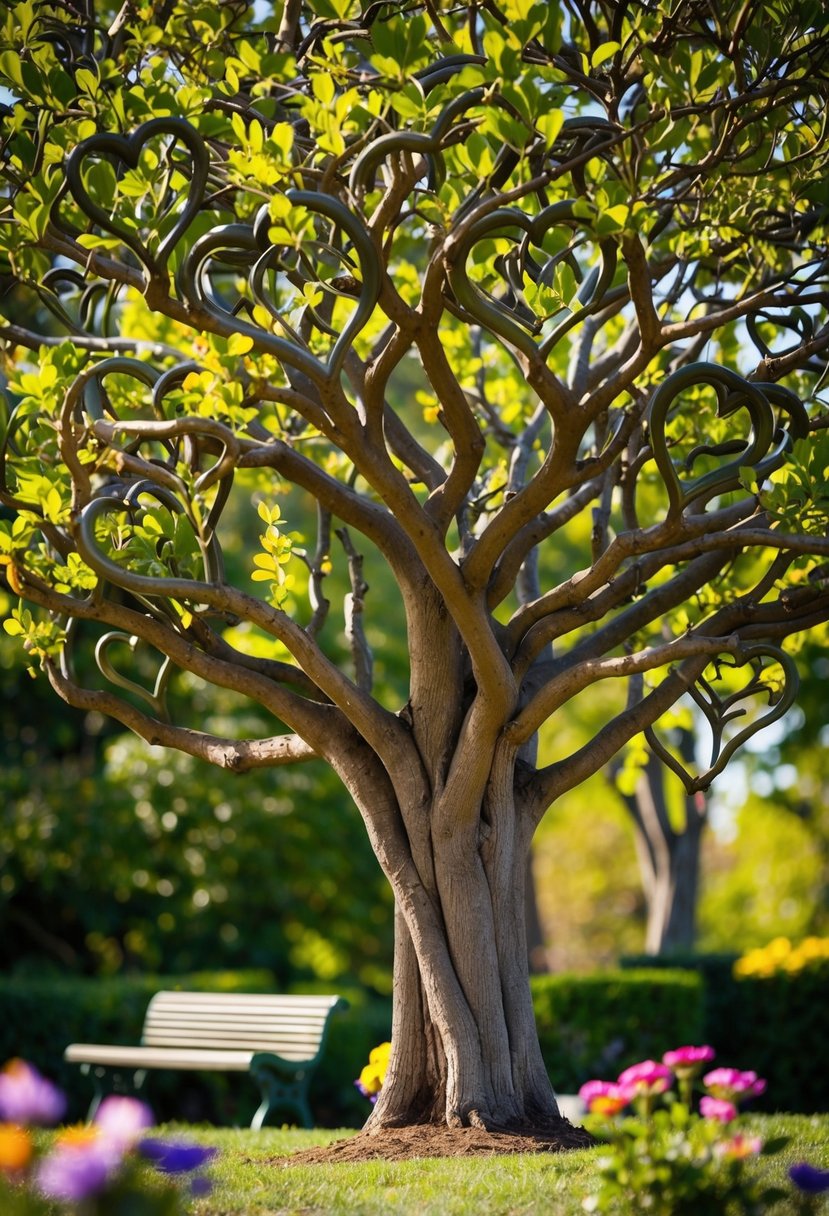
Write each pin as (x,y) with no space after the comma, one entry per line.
(438,1140)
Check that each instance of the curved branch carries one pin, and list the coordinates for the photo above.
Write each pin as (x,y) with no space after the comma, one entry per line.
(238,755)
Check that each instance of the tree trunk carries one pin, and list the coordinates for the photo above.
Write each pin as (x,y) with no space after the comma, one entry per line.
(465,1049)
(464,1045)
(669,862)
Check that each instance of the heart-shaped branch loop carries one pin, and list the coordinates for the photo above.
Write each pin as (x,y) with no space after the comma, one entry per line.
(156,697)
(295,284)
(506,310)
(721,709)
(124,153)
(764,450)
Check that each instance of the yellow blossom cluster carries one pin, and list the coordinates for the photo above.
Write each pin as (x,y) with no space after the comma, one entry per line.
(374,1073)
(780,956)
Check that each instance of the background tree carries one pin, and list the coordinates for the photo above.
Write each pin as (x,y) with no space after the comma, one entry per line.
(557,229)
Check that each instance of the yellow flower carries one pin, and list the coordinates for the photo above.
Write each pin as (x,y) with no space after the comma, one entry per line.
(370,1079)
(779,948)
(15,1148)
(374,1073)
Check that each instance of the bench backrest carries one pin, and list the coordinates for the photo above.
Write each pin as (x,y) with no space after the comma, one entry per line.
(291,1026)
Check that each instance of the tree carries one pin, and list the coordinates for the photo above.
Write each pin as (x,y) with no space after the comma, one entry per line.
(481,284)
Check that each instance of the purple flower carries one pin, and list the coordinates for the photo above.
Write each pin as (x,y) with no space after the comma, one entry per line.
(200,1186)
(175,1156)
(27,1097)
(362,1089)
(809,1178)
(74,1173)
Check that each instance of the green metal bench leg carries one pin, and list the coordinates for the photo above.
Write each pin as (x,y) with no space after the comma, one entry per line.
(108,1080)
(280,1093)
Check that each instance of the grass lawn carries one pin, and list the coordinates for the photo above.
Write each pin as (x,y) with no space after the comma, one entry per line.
(530,1185)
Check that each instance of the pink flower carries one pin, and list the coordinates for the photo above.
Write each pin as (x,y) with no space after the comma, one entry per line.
(122,1121)
(732,1085)
(604,1097)
(738,1146)
(717,1108)
(684,1059)
(648,1077)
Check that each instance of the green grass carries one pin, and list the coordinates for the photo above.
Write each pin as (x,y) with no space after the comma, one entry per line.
(247,1184)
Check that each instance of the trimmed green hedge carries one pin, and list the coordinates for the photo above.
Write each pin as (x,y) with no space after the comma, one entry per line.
(775,1025)
(589,1025)
(595,1025)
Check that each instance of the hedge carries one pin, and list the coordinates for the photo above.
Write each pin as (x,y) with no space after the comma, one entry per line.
(589,1025)
(595,1025)
(775,1025)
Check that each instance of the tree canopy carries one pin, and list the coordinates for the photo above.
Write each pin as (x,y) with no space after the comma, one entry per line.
(525,306)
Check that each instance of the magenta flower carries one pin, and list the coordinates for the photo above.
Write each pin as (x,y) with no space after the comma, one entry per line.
(74,1172)
(604,1097)
(732,1085)
(26,1097)
(648,1078)
(809,1178)
(687,1058)
(717,1108)
(122,1120)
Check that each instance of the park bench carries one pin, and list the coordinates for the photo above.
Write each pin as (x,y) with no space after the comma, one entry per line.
(277,1039)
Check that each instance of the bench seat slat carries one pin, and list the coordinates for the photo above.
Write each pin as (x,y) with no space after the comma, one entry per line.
(158,1057)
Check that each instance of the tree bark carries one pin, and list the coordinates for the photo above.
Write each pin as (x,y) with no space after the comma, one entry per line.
(465,1049)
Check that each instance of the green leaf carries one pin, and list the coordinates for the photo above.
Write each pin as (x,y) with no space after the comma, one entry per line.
(549,125)
(602,53)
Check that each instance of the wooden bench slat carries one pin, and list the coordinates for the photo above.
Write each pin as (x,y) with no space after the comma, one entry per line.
(141,1057)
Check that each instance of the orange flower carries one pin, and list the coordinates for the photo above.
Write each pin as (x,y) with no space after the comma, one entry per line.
(79,1135)
(15,1148)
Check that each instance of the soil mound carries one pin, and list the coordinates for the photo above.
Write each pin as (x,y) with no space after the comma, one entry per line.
(428,1140)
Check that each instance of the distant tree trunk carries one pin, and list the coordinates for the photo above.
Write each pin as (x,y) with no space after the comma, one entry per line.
(669,861)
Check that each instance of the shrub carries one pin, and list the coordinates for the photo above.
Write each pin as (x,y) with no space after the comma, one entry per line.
(592,1024)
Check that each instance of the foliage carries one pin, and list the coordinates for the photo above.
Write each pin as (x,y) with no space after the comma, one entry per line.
(134,857)
(589,1023)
